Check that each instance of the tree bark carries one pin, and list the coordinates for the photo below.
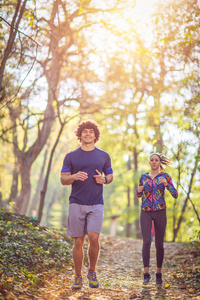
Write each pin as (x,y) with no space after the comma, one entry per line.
(187,197)
(29,157)
(128,225)
(50,204)
(14,114)
(136,201)
(1,202)
(35,200)
(43,134)
(43,192)
(13,31)
(14,187)
(25,169)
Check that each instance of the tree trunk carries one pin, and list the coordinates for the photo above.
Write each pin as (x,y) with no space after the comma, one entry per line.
(178,158)
(13,31)
(14,114)
(1,202)
(43,192)
(128,225)
(22,200)
(52,73)
(159,88)
(158,136)
(43,134)
(14,187)
(136,201)
(29,157)
(187,197)
(35,200)
(49,207)
(113,226)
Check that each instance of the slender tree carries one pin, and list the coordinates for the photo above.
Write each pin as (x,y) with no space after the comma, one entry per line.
(63,33)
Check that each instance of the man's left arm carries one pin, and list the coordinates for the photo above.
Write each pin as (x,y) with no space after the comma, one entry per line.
(108,178)
(108,171)
(103,179)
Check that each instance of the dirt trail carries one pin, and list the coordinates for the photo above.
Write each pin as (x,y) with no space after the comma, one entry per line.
(120,273)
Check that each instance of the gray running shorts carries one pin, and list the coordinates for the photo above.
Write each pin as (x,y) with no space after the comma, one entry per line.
(84,218)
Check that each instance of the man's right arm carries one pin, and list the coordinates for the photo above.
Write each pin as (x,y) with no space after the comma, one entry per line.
(67,178)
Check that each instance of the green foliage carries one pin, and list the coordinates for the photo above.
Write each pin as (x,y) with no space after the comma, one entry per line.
(144,92)
(195,240)
(27,249)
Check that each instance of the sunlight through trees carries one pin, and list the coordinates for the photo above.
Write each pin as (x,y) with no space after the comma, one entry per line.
(131,66)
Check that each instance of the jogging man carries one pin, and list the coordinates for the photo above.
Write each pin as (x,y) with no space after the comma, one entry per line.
(83,168)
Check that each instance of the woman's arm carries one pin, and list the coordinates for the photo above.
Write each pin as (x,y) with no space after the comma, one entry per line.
(170,187)
(140,188)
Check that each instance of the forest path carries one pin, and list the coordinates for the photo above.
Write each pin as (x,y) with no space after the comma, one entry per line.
(120,273)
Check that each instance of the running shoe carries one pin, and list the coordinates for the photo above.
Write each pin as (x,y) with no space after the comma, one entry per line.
(77,282)
(158,278)
(93,281)
(147,278)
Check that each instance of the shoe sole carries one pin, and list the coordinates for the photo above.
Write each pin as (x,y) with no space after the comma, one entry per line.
(147,282)
(92,286)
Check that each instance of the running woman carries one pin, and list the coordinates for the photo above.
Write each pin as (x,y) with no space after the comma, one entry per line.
(153,209)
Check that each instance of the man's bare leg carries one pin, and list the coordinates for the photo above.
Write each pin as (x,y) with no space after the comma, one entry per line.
(78,254)
(93,250)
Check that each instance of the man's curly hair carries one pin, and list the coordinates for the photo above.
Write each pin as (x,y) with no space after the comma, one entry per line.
(87,125)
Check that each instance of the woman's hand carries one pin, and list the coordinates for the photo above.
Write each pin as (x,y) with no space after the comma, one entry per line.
(163,180)
(140,189)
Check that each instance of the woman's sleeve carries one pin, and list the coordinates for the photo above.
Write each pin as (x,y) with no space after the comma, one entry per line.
(140,184)
(170,187)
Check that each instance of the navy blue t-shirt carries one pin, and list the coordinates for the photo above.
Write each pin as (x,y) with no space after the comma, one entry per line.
(87,192)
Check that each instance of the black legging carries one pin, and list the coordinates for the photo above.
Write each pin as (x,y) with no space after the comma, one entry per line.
(160,222)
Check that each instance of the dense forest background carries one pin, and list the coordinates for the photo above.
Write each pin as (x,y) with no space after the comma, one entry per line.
(137,76)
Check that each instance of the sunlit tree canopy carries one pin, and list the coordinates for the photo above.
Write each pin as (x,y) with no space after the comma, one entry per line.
(133,67)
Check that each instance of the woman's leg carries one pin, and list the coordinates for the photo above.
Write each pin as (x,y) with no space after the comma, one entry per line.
(160,222)
(146,225)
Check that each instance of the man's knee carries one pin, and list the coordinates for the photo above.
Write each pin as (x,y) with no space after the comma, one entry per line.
(78,242)
(93,237)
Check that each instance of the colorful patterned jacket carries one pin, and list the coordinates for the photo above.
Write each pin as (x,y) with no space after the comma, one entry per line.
(153,197)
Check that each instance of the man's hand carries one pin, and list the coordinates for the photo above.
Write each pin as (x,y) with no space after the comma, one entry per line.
(67,178)
(99,178)
(80,176)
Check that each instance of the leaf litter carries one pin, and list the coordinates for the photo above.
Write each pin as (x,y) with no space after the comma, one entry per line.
(36,264)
